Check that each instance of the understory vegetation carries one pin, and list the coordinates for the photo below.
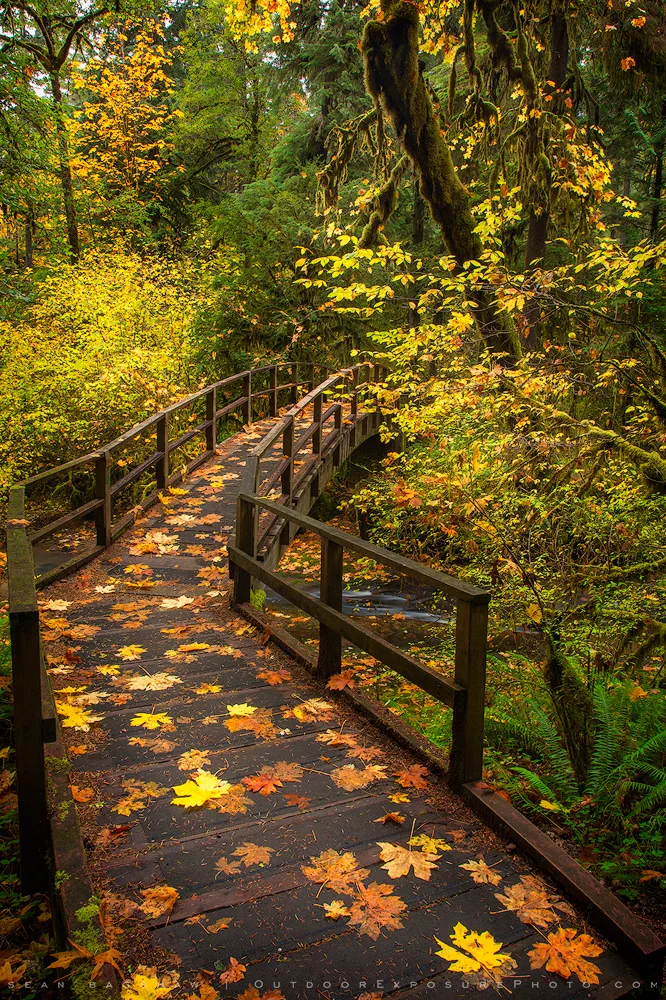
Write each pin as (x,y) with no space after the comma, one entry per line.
(470,192)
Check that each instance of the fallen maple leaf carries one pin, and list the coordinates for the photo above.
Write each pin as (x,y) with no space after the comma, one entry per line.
(262,783)
(390,817)
(482,873)
(228,867)
(208,689)
(111,956)
(241,710)
(63,959)
(299,801)
(169,603)
(429,845)
(139,793)
(338,682)
(531,902)
(252,854)
(337,909)
(74,717)
(375,907)
(152,682)
(566,953)
(159,900)
(130,652)
(350,778)
(151,720)
(314,710)
(81,794)
(234,973)
(220,925)
(340,872)
(478,953)
(145,985)
(274,677)
(193,760)
(413,777)
(199,790)
(399,861)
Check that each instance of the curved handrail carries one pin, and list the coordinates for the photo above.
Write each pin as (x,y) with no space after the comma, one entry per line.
(100,460)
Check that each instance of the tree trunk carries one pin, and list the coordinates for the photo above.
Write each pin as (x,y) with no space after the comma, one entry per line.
(65,171)
(418,216)
(658,176)
(557,73)
(29,224)
(394,78)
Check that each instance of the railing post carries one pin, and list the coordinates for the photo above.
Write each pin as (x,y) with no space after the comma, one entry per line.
(27,694)
(273,397)
(294,379)
(247,393)
(288,452)
(316,434)
(354,401)
(245,541)
(466,761)
(162,466)
(311,377)
(103,493)
(211,409)
(330,641)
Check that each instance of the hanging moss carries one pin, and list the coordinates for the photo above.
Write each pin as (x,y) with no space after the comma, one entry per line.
(384,204)
(394,79)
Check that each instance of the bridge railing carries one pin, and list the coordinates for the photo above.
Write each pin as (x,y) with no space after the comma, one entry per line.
(156,439)
(325,407)
(465,694)
(34,717)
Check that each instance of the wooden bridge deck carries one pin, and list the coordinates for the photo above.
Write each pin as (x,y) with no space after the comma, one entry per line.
(152,639)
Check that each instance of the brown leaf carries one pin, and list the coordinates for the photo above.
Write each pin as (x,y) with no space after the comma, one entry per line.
(110,834)
(159,900)
(109,957)
(252,854)
(482,873)
(220,925)
(228,867)
(376,907)
(63,959)
(393,817)
(399,860)
(340,872)
(338,682)
(413,777)
(530,901)
(350,778)
(234,973)
(262,783)
(299,801)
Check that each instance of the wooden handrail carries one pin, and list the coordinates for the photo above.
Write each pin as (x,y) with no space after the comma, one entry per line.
(465,694)
(99,462)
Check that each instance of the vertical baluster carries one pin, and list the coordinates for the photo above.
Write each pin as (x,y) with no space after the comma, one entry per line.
(246,534)
(316,436)
(211,408)
(273,397)
(246,409)
(288,452)
(330,641)
(103,493)
(294,380)
(162,467)
(466,762)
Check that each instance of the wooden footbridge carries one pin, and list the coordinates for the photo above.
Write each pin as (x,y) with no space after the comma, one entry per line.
(207,815)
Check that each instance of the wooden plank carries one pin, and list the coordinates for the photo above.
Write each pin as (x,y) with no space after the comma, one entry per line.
(76,562)
(426,678)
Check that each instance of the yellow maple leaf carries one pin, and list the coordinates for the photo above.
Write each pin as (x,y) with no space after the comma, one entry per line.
(429,845)
(151,720)
(74,717)
(130,652)
(145,985)
(199,790)
(208,689)
(478,952)
(243,709)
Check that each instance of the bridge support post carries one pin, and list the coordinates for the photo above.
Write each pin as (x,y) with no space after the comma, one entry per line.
(245,541)
(273,397)
(103,493)
(330,642)
(247,393)
(211,409)
(466,761)
(162,468)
